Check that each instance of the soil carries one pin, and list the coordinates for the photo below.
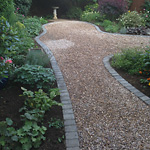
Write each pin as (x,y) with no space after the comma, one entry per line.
(135,81)
(11,102)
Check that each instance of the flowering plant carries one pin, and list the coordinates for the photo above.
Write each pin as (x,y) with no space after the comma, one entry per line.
(5,66)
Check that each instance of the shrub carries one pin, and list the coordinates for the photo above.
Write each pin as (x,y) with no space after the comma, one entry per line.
(107,23)
(91,7)
(112,28)
(8,38)
(91,16)
(43,21)
(74,13)
(23,6)
(112,8)
(33,26)
(131,19)
(7,10)
(37,57)
(35,76)
(129,60)
(146,16)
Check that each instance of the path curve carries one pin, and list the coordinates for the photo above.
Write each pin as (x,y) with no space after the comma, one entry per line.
(108,116)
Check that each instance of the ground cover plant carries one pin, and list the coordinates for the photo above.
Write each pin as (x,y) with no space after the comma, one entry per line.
(27,108)
(134,66)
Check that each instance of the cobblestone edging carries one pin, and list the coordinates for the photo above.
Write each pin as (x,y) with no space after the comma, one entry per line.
(122,81)
(71,135)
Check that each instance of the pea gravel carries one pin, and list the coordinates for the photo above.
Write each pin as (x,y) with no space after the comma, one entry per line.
(108,116)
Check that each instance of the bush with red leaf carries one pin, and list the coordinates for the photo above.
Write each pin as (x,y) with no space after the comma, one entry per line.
(112,9)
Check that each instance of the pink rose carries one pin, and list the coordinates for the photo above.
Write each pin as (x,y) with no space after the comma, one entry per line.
(8,61)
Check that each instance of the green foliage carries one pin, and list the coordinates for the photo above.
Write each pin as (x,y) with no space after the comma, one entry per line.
(107,23)
(8,135)
(91,7)
(40,100)
(31,135)
(37,57)
(35,76)
(112,28)
(13,40)
(91,16)
(43,21)
(56,123)
(146,60)
(7,10)
(146,15)
(23,6)
(129,60)
(33,26)
(131,19)
(74,13)
(8,38)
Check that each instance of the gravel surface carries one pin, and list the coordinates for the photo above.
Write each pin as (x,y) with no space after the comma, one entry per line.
(108,116)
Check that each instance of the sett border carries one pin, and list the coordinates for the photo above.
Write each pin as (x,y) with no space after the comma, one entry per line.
(122,81)
(71,134)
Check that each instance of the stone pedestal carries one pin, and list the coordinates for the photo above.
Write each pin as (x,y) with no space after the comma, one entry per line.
(55,12)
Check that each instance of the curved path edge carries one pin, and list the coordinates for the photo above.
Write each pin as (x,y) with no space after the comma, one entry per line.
(122,81)
(71,135)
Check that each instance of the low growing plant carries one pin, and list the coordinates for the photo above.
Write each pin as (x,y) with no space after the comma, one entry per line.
(33,26)
(129,60)
(37,57)
(40,100)
(35,76)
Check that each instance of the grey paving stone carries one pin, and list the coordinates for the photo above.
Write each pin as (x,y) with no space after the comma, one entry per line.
(71,128)
(72,143)
(71,135)
(69,122)
(73,148)
(68,111)
(68,116)
(131,88)
(145,98)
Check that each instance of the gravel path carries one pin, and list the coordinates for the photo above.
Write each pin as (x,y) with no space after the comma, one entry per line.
(108,116)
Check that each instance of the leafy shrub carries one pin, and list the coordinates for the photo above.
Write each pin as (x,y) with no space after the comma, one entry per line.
(146,15)
(131,19)
(7,10)
(129,60)
(107,23)
(43,21)
(146,60)
(112,28)
(23,6)
(37,57)
(13,41)
(91,7)
(33,26)
(34,75)
(91,16)
(40,100)
(8,38)
(112,8)
(74,13)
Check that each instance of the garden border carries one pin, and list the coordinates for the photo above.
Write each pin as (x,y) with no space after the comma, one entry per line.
(122,81)
(71,134)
